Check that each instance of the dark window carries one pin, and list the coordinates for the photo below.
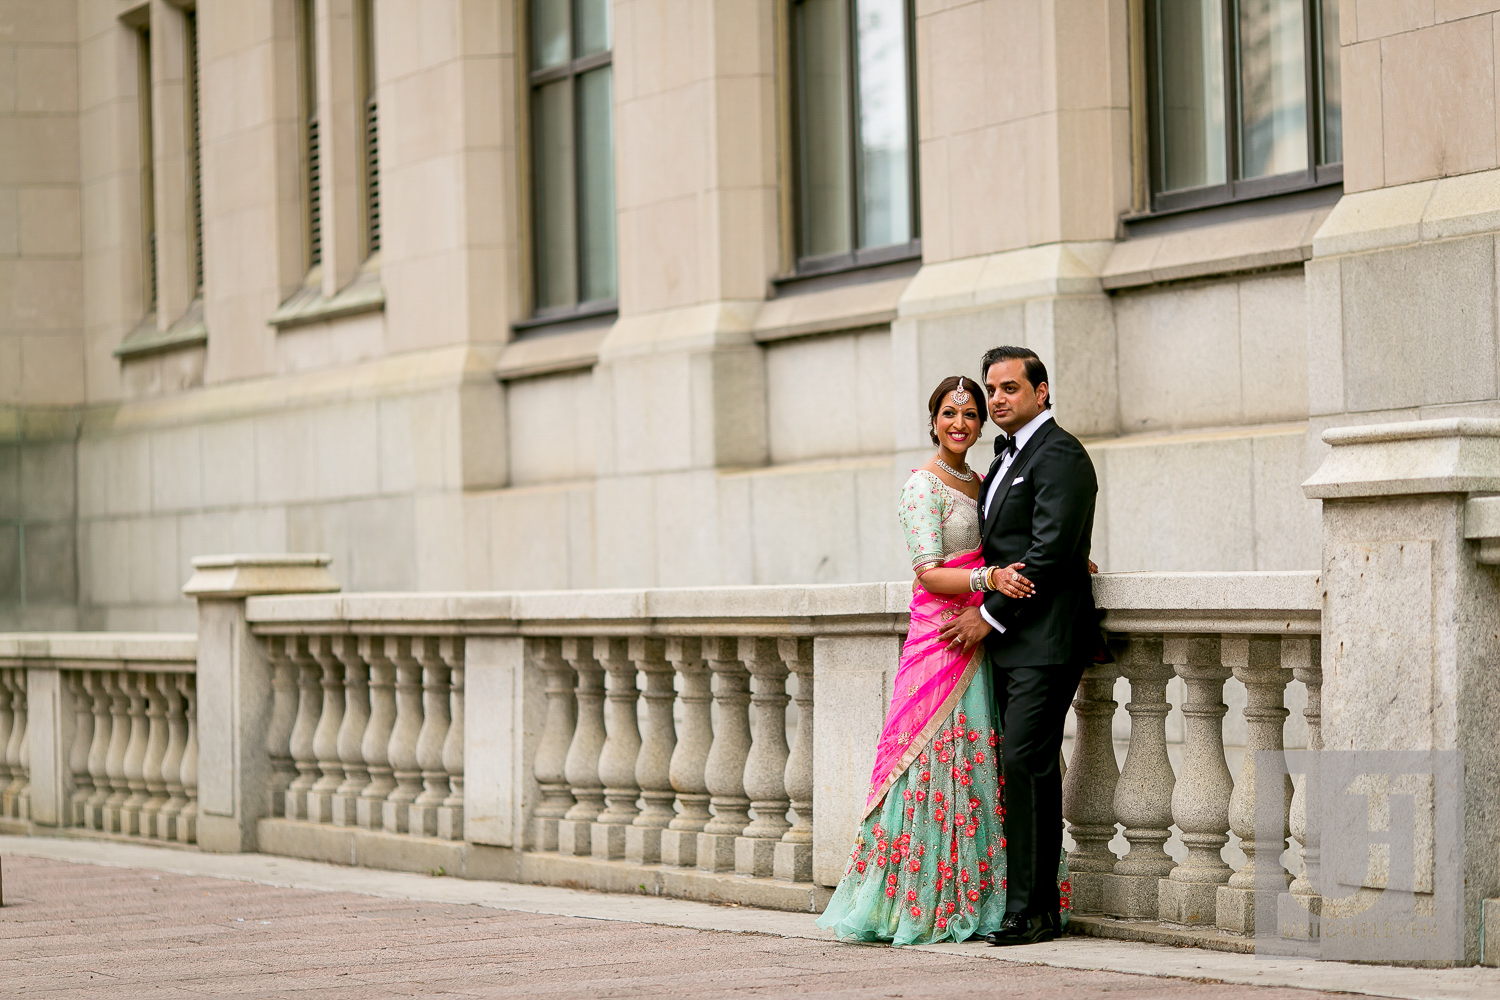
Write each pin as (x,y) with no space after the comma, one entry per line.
(856,190)
(371,123)
(573,170)
(148,172)
(312,176)
(1244,99)
(195,151)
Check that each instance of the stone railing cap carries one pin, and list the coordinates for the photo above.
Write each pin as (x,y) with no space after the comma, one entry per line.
(1456,455)
(226,577)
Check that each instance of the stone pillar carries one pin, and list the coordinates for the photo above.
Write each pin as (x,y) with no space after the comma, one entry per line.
(765,764)
(233,689)
(1304,656)
(351,736)
(1143,797)
(300,744)
(552,750)
(187,821)
(283,718)
(93,807)
(422,817)
(326,735)
(794,853)
(582,763)
(679,842)
(1200,801)
(83,740)
(451,812)
(135,753)
(653,766)
(119,738)
(622,745)
(402,748)
(369,810)
(1256,661)
(724,771)
(171,765)
(1411,613)
(1089,788)
(50,720)
(156,752)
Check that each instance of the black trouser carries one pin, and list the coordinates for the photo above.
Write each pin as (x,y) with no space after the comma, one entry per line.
(1033,702)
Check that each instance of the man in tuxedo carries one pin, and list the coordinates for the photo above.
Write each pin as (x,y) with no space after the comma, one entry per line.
(1038,510)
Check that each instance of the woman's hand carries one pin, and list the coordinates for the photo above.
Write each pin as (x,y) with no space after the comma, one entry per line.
(1093,567)
(1011,583)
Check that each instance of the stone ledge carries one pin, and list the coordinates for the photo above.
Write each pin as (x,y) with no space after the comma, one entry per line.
(1219,249)
(398,852)
(121,650)
(550,354)
(1153,932)
(365,294)
(78,833)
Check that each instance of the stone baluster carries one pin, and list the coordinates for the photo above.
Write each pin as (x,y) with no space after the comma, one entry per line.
(423,814)
(1305,658)
(15,693)
(402,748)
(135,755)
(1257,662)
(300,745)
(78,753)
(187,820)
(575,829)
(451,812)
(7,730)
(283,718)
(171,762)
(156,752)
(119,740)
(23,762)
(369,811)
(351,735)
(653,765)
(622,745)
(1088,788)
(93,808)
(552,749)
(724,771)
(794,853)
(1143,797)
(326,735)
(765,765)
(679,842)
(1200,801)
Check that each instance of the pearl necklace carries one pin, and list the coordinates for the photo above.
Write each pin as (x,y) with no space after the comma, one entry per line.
(967,476)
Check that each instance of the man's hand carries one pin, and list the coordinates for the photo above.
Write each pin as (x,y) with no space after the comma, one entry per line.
(965,631)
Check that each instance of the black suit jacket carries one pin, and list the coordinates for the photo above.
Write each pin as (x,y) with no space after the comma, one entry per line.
(1043,516)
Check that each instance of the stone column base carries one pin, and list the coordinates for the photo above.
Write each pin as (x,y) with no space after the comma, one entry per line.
(319,807)
(1088,890)
(573,837)
(679,847)
(643,845)
(544,834)
(1132,897)
(716,851)
(450,822)
(608,841)
(346,810)
(793,862)
(755,856)
(368,814)
(1234,909)
(393,816)
(422,821)
(1187,902)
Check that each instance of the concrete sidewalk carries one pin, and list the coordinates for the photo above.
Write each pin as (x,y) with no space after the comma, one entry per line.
(167,924)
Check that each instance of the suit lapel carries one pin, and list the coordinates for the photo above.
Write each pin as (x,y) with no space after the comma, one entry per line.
(1022,460)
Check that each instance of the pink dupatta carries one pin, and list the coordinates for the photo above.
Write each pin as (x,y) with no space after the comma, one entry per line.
(928,682)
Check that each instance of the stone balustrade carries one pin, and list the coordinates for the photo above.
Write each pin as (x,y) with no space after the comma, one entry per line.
(109,722)
(1263,630)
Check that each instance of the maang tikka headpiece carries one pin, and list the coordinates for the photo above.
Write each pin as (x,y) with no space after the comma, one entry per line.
(960,395)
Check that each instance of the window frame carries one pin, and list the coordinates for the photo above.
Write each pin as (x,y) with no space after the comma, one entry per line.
(810,265)
(575,67)
(1233,189)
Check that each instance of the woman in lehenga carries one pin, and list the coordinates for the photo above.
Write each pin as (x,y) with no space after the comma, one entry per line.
(928,863)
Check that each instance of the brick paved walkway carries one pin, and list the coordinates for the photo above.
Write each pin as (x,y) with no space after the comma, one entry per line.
(76,931)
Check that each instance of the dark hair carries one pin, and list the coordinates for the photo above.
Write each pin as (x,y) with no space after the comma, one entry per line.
(1036,372)
(939,394)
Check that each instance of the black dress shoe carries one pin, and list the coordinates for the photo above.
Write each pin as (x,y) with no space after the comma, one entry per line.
(1019,929)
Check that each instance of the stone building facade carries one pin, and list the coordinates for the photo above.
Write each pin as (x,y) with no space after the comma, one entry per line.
(533,294)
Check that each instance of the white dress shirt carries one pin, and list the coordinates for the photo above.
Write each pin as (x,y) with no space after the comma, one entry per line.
(1022,436)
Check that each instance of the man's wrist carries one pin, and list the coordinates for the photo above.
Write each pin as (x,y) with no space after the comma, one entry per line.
(985,614)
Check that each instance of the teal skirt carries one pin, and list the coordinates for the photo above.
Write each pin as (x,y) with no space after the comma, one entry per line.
(928,864)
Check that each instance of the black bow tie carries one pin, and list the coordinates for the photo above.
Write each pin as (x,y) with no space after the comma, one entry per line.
(1005,446)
